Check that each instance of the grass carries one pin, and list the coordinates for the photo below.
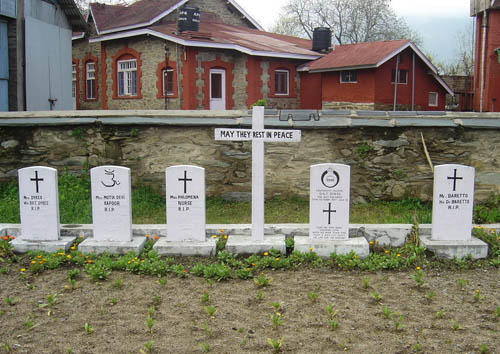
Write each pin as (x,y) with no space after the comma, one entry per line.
(148,207)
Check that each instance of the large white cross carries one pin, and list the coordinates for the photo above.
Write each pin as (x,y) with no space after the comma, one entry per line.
(258,135)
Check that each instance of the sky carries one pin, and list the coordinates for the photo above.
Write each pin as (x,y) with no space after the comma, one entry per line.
(438,21)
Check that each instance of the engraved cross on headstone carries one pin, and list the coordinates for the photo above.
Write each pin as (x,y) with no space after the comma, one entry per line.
(36,180)
(258,135)
(454,178)
(329,211)
(185,180)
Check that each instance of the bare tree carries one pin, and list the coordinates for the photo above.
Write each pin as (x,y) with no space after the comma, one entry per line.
(83,5)
(351,21)
(463,63)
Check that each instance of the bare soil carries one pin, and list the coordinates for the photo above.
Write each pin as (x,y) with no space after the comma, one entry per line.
(242,322)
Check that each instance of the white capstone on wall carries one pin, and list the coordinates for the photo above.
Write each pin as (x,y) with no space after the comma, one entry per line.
(39,203)
(111,203)
(185,195)
(452,204)
(329,202)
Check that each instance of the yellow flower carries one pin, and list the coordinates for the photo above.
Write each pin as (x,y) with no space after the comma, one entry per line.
(253,264)
(266,254)
(148,235)
(386,251)
(477,291)
(398,255)
(221,230)
(418,268)
(376,241)
(128,262)
(225,237)
(73,248)
(23,269)
(278,258)
(310,249)
(89,261)
(355,257)
(33,262)
(371,242)
(44,259)
(214,236)
(41,262)
(142,261)
(68,256)
(81,236)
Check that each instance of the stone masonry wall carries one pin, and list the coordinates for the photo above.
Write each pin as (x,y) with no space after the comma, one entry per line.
(386,163)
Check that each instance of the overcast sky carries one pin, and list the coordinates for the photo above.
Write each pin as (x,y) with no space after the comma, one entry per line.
(436,20)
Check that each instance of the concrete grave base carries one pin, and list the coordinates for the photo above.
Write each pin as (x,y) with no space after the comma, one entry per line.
(243,244)
(460,249)
(23,246)
(91,245)
(185,248)
(325,248)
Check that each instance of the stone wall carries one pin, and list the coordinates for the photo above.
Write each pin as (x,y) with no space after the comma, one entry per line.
(386,154)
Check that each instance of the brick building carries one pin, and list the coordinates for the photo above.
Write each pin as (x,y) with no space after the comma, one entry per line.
(363,76)
(487,55)
(136,57)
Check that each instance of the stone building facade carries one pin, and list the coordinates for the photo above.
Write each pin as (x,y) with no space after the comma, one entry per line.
(249,72)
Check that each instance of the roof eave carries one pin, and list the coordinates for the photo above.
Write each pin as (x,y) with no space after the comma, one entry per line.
(82,35)
(188,43)
(343,68)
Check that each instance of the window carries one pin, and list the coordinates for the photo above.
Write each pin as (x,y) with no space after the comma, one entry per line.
(127,77)
(348,76)
(90,80)
(281,82)
(73,80)
(168,82)
(433,99)
(402,76)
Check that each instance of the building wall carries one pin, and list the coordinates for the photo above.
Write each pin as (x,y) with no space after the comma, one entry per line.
(310,91)
(192,66)
(342,95)
(491,96)
(424,84)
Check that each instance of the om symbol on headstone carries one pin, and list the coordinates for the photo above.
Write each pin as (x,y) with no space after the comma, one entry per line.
(113,182)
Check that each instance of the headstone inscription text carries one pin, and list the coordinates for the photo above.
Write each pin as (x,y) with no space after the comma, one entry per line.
(39,203)
(453,199)
(329,202)
(111,203)
(258,135)
(185,194)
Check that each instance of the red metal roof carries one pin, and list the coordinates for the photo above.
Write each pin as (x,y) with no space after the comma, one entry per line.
(252,39)
(362,55)
(109,17)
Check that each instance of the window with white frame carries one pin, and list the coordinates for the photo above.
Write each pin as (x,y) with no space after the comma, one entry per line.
(168,81)
(127,77)
(349,76)
(73,80)
(281,78)
(402,76)
(433,99)
(90,80)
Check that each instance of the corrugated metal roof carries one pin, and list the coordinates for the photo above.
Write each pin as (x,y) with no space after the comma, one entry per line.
(75,17)
(362,55)
(255,40)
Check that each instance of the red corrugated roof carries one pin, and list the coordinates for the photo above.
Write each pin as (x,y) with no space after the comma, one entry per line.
(369,54)
(109,17)
(255,40)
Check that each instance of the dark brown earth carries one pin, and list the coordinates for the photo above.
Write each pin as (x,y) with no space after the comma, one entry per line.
(242,323)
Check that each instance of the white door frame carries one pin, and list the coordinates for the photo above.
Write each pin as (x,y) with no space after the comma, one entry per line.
(218,103)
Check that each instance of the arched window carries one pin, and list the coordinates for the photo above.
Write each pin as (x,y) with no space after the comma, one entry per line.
(127,74)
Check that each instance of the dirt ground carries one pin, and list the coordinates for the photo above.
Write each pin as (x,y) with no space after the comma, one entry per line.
(242,322)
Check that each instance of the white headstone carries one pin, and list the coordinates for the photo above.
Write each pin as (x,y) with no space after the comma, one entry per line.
(329,202)
(111,203)
(452,202)
(39,204)
(185,194)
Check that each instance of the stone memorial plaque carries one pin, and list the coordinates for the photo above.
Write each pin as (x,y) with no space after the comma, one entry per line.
(39,204)
(185,194)
(111,203)
(452,203)
(329,202)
